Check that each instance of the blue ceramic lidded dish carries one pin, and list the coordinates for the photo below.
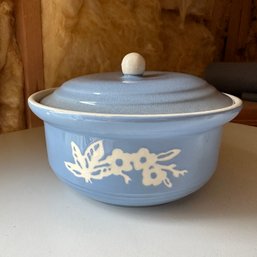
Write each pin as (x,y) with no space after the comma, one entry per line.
(134,138)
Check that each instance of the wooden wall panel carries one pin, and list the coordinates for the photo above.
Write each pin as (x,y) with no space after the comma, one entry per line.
(29,37)
(238,29)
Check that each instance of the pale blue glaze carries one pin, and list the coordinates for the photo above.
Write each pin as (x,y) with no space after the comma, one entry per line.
(134,140)
(197,136)
(153,93)
(199,156)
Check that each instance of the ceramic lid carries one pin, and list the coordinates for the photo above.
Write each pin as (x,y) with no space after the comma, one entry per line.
(134,91)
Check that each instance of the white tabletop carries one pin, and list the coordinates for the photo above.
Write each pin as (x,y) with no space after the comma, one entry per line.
(40,216)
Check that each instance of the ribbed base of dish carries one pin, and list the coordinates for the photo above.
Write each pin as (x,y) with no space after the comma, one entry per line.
(134,200)
(133,171)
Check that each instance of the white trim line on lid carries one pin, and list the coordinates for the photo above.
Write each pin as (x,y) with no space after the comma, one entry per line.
(34,98)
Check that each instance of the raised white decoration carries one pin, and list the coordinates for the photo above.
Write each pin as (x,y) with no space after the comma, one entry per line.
(92,165)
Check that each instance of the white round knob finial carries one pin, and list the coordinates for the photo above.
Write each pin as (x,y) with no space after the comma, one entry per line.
(133,64)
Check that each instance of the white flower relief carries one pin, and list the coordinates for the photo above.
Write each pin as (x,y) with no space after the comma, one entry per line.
(91,165)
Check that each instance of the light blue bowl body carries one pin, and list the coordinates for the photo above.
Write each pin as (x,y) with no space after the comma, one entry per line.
(133,160)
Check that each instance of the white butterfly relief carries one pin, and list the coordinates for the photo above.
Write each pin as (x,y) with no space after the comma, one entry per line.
(91,165)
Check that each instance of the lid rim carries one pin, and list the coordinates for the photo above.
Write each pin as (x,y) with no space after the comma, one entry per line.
(35,98)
